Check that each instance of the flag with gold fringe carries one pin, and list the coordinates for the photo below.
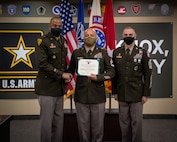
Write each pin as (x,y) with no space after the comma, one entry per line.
(68,32)
(109,31)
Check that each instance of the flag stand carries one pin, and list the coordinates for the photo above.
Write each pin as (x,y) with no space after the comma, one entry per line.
(71,104)
(109,102)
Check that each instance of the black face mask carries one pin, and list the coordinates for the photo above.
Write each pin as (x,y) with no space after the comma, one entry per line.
(56,31)
(128,40)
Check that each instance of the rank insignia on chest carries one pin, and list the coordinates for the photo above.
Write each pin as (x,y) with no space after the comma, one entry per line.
(98,55)
(137,60)
(138,56)
(119,56)
(52,45)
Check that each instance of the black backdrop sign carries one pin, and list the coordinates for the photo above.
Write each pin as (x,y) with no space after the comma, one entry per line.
(18,68)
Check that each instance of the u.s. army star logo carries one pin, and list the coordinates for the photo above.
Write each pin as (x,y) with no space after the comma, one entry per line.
(21,53)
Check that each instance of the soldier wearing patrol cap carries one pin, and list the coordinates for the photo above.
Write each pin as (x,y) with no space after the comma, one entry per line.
(131,85)
(51,81)
(90,94)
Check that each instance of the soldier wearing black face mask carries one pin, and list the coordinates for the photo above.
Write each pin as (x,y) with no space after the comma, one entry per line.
(129,40)
(51,81)
(131,85)
(56,31)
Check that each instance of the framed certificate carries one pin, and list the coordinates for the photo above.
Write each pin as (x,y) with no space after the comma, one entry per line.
(88,66)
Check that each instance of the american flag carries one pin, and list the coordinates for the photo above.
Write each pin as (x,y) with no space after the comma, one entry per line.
(69,33)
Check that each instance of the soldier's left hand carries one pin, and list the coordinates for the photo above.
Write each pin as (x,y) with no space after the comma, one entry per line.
(144,99)
(92,77)
(67,77)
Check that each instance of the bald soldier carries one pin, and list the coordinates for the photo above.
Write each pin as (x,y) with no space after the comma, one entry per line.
(90,94)
(131,85)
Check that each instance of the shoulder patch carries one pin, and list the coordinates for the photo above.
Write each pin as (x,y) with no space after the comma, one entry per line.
(39,41)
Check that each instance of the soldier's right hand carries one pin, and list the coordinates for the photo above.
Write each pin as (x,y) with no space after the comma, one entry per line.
(67,77)
(115,97)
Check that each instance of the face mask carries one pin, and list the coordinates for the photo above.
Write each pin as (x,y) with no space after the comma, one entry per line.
(128,40)
(56,31)
(89,41)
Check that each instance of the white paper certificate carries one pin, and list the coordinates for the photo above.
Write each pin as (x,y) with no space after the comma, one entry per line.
(88,66)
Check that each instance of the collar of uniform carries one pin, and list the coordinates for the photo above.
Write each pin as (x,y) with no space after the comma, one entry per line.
(87,49)
(57,38)
(51,36)
(131,48)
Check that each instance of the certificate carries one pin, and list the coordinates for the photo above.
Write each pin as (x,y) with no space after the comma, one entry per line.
(87,67)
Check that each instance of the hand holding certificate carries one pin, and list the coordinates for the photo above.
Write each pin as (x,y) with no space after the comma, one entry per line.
(86,67)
